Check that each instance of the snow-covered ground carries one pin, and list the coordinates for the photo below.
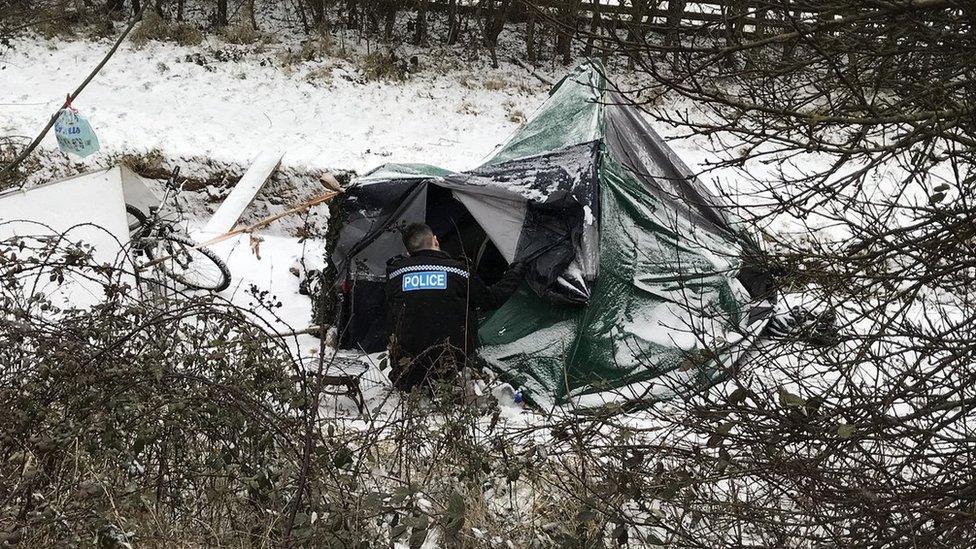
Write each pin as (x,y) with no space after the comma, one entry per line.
(227,103)
(186,102)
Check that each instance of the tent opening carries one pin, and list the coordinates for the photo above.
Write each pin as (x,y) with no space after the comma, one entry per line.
(364,313)
(461,236)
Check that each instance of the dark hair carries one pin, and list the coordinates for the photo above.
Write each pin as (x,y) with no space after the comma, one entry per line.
(417,236)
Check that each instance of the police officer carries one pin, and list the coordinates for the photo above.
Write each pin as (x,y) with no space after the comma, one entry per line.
(432,300)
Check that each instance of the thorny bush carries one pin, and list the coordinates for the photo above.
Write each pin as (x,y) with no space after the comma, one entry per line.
(848,130)
(153,418)
(135,419)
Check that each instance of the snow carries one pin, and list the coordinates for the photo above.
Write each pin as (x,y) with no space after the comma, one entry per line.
(588,217)
(270,270)
(159,98)
(666,325)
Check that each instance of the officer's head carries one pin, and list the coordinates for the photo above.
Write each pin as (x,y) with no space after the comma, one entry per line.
(418,236)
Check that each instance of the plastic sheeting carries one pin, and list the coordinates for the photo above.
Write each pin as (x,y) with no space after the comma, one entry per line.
(558,189)
(88,209)
(662,300)
(572,115)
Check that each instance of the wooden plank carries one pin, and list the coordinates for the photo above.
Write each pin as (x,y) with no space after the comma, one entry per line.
(231,209)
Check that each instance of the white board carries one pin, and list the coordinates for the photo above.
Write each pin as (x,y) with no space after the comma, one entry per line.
(88,208)
(226,216)
(136,190)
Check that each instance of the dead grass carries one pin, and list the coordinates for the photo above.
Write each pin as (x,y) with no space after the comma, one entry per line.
(383,66)
(321,76)
(495,83)
(155,28)
(467,81)
(150,164)
(310,50)
(514,114)
(469,108)
(242,34)
(56,23)
(10,147)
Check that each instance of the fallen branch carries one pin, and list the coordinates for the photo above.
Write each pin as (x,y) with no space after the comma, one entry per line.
(532,71)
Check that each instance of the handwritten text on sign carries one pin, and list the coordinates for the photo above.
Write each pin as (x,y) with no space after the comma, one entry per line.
(75,134)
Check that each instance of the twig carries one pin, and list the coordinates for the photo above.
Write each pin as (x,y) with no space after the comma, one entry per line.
(314,330)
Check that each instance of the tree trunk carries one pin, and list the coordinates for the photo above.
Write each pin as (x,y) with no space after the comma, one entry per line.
(420,34)
(301,15)
(760,28)
(611,26)
(453,26)
(676,9)
(567,30)
(221,13)
(136,7)
(352,14)
(635,29)
(734,21)
(595,24)
(318,15)
(494,23)
(372,22)
(789,45)
(389,19)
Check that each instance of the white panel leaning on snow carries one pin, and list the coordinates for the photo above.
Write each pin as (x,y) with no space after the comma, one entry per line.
(243,194)
(88,208)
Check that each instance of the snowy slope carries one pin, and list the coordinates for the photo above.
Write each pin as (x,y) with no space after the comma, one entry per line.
(186,102)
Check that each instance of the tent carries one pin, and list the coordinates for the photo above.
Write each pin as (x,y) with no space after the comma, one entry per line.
(640,284)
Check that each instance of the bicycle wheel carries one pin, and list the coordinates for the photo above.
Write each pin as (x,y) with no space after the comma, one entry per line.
(137,220)
(196,268)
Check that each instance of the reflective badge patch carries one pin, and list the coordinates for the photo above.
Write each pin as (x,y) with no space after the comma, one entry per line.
(426,280)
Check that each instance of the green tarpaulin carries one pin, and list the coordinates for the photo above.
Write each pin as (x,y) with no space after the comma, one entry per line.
(644,297)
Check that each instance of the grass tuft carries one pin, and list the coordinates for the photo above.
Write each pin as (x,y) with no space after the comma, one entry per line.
(155,28)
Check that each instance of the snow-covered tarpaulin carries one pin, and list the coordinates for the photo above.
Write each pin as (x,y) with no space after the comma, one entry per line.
(637,287)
